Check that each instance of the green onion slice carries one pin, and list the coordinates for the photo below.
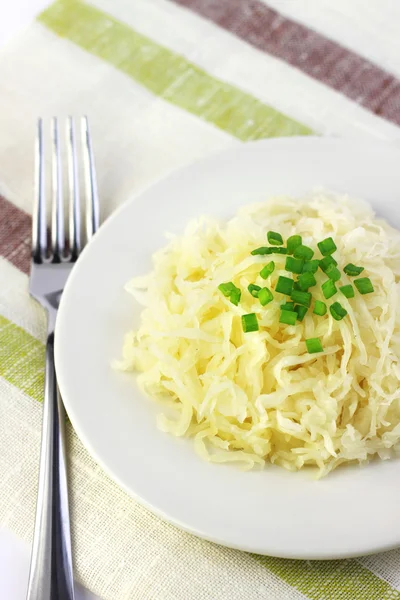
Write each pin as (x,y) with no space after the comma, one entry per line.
(227,288)
(329,289)
(284,285)
(303,252)
(249,323)
(327,246)
(311,266)
(254,289)
(320,308)
(274,238)
(306,280)
(337,311)
(314,345)
(230,291)
(333,273)
(265,296)
(347,290)
(352,270)
(326,262)
(294,265)
(301,311)
(278,250)
(261,251)
(364,285)
(287,306)
(235,296)
(288,317)
(292,242)
(267,270)
(303,298)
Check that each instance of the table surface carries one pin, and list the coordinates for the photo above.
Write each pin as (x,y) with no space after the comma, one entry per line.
(15,554)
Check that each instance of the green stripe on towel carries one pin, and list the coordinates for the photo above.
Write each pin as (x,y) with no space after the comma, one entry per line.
(330,580)
(21,359)
(167,74)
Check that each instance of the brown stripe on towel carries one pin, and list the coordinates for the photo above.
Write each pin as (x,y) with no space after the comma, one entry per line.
(15,235)
(325,60)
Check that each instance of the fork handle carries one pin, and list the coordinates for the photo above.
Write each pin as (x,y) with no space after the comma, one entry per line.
(51,576)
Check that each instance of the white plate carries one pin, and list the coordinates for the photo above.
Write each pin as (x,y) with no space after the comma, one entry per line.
(351,512)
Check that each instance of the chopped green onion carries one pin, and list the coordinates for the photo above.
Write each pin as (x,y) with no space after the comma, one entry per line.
(230,291)
(296,286)
(235,296)
(347,290)
(301,311)
(306,280)
(265,296)
(287,306)
(261,250)
(326,262)
(267,270)
(352,270)
(333,273)
(249,323)
(311,266)
(327,246)
(278,250)
(227,288)
(254,289)
(329,289)
(364,285)
(288,317)
(294,265)
(274,238)
(292,242)
(314,345)
(303,252)
(319,308)
(284,285)
(337,311)
(303,298)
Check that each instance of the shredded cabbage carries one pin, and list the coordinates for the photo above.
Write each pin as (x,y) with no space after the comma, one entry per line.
(251,398)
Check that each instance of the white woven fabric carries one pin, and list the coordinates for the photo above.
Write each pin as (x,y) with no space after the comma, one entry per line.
(122,551)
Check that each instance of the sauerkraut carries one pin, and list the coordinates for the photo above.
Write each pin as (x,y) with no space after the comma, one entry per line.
(257,397)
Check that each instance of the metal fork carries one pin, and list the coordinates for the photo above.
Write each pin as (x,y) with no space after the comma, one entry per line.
(51,576)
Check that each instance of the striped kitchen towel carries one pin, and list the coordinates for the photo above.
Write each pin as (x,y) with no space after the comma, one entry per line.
(165,82)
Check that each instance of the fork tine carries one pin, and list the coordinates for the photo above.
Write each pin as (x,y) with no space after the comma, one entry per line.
(92,198)
(74,200)
(57,225)
(39,233)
